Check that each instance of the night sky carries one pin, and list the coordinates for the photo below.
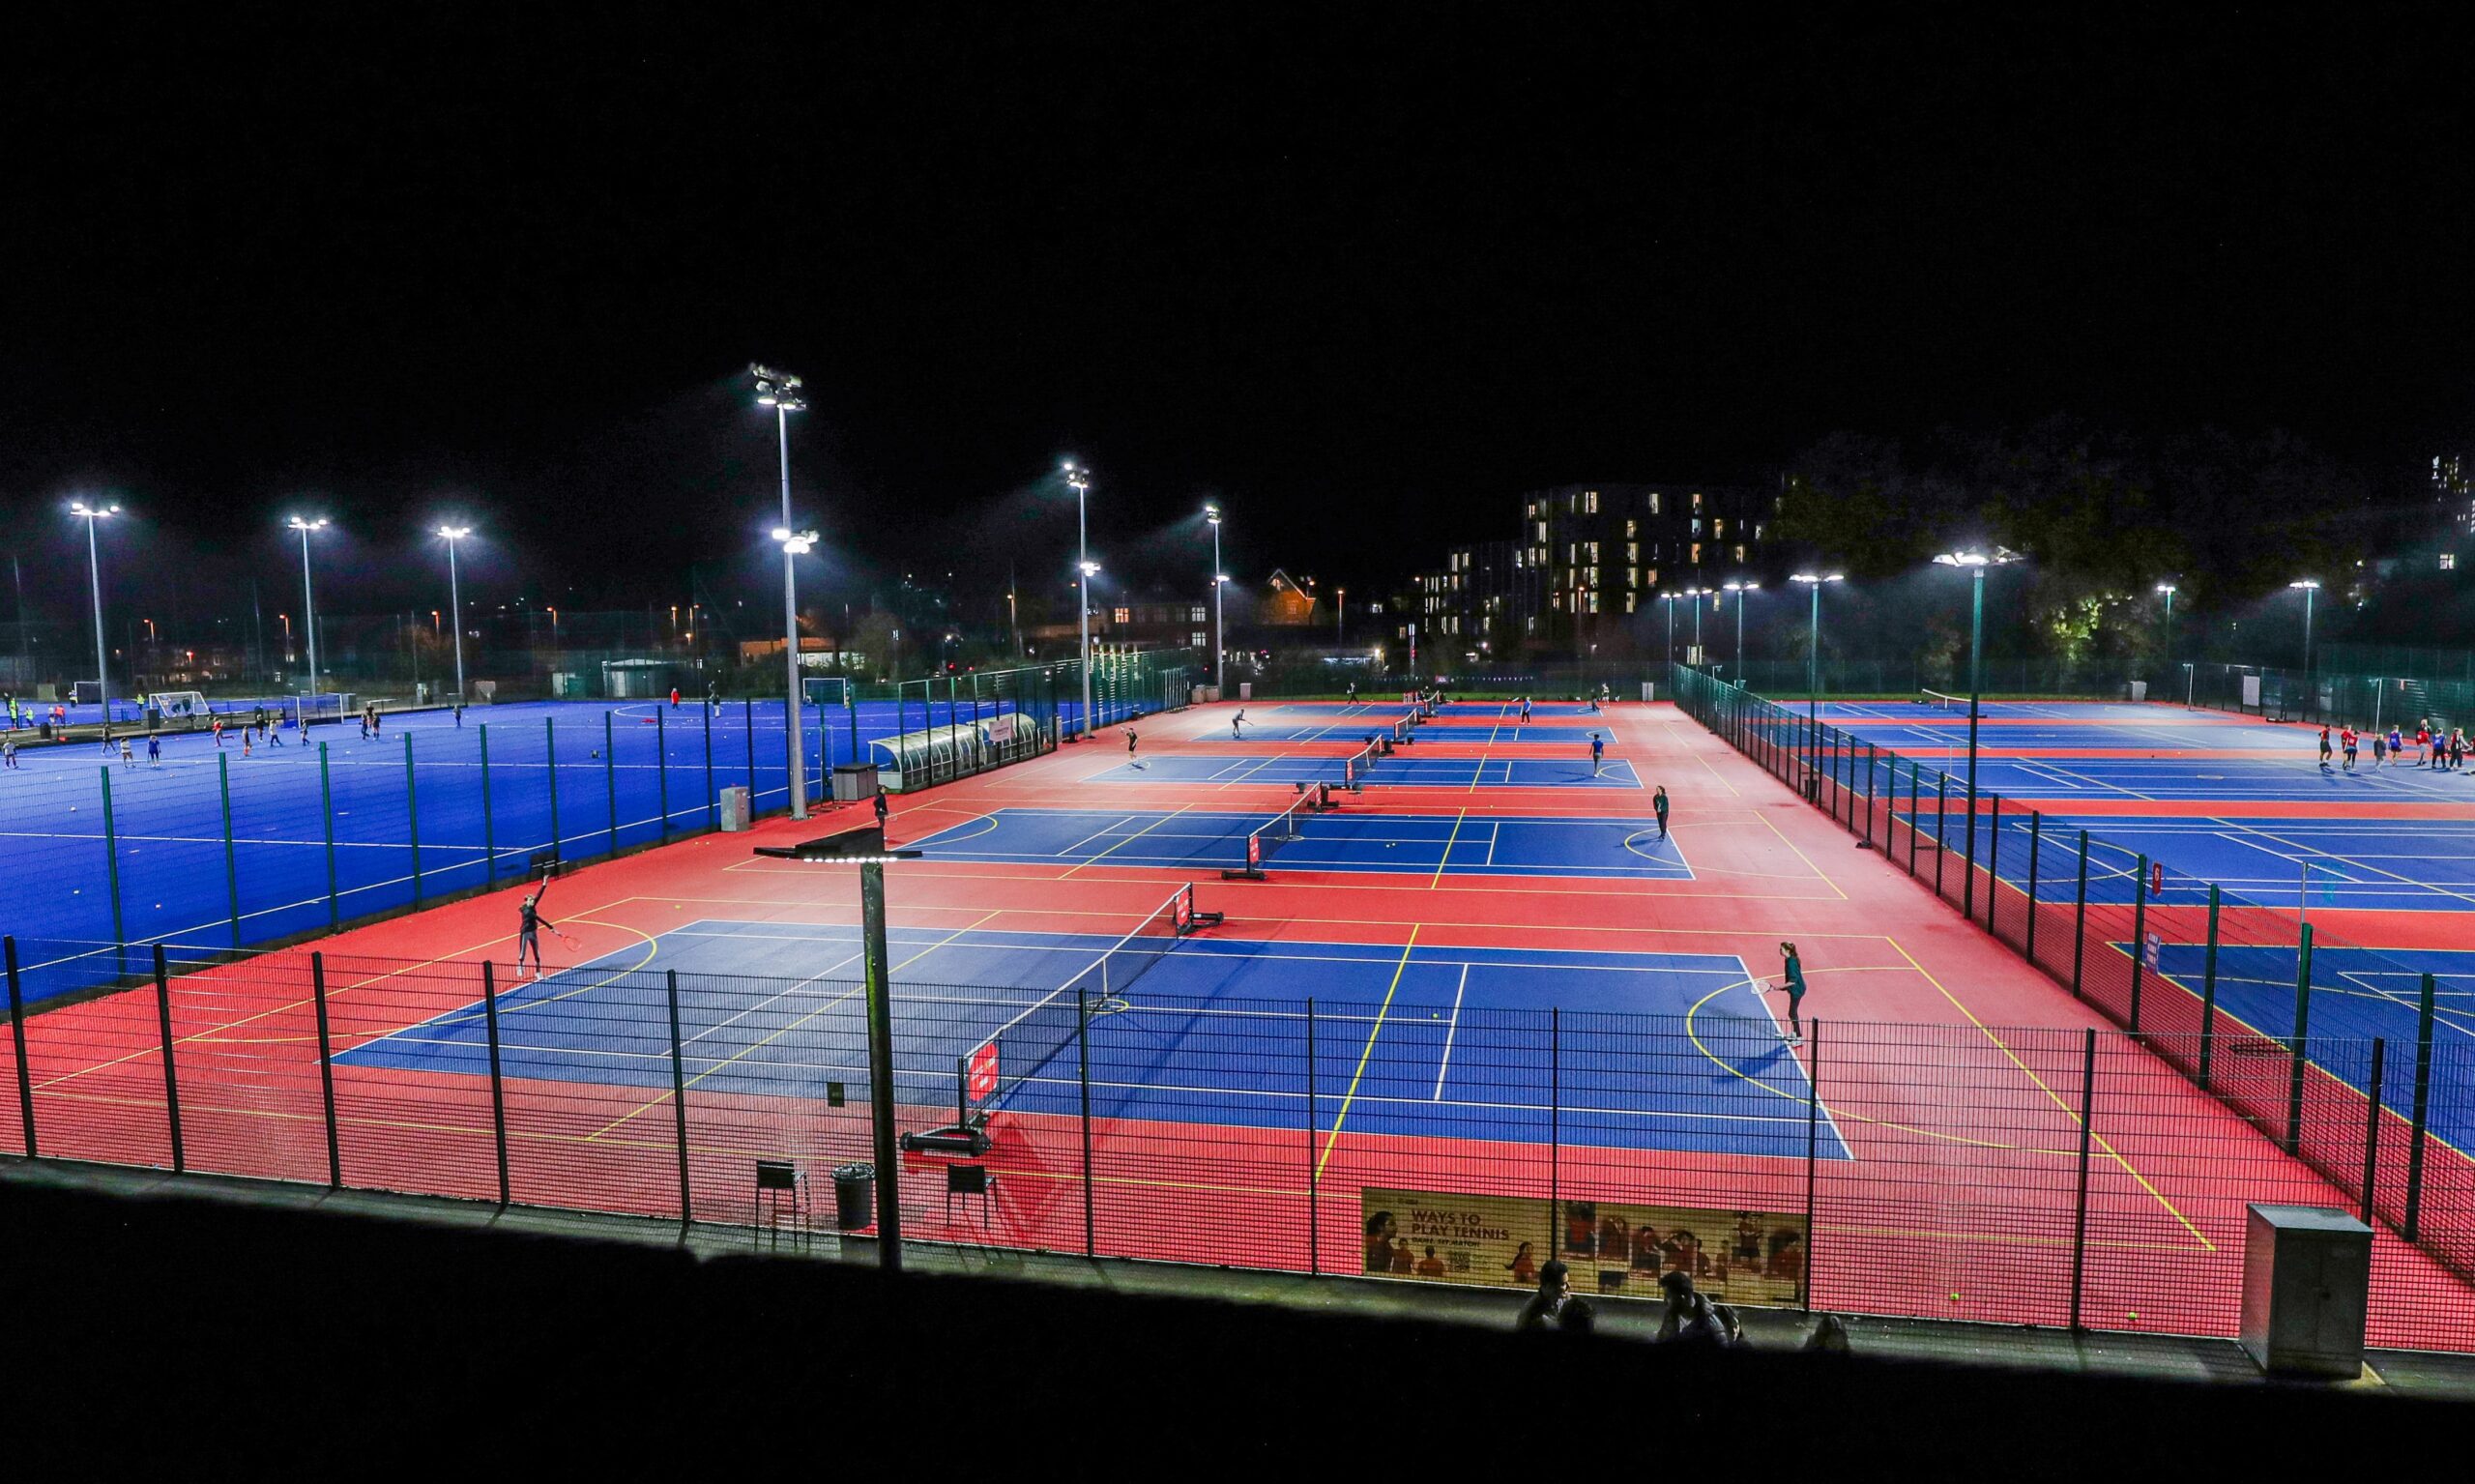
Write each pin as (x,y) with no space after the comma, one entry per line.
(1363,272)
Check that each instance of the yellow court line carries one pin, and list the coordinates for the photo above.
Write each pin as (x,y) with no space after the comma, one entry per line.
(1802,856)
(1363,1056)
(1447,850)
(2059,1102)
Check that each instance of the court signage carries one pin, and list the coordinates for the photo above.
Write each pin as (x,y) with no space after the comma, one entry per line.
(1614,1248)
(982,1079)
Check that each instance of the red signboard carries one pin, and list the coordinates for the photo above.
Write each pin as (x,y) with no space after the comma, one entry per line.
(982,1081)
(1254,852)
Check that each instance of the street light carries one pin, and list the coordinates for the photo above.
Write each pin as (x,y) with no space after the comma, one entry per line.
(1219,580)
(782,392)
(1697,595)
(455,601)
(2310,587)
(1974,563)
(90,513)
(1081,479)
(1740,589)
(866,850)
(308,609)
(1812,659)
(1667,600)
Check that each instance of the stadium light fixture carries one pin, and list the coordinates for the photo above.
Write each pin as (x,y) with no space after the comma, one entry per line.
(455,599)
(90,513)
(1814,582)
(866,850)
(1974,563)
(780,392)
(308,609)
(1740,588)
(2310,588)
(1081,481)
(1219,580)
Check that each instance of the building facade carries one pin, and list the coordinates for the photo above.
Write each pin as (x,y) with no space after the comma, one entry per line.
(1584,575)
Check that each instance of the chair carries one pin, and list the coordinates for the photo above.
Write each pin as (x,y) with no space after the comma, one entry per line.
(781,1185)
(968,1180)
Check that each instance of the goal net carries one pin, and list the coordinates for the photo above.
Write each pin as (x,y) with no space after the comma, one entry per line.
(172,705)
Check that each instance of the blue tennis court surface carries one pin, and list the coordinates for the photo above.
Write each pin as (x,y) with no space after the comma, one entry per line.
(2413,864)
(1425,1041)
(1924,737)
(2296,780)
(1571,733)
(1412,843)
(1398,771)
(2356,994)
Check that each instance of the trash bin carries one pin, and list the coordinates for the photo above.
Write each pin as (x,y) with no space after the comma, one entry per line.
(854,1197)
(2136,690)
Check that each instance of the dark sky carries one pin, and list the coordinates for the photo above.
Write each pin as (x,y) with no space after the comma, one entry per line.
(1362,271)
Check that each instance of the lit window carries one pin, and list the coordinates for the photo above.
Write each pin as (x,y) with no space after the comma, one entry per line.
(1697,525)
(1632,551)
(1628,602)
(1631,576)
(1653,576)
(1593,602)
(1697,500)
(1194,615)
(1739,551)
(1593,551)
(1123,615)
(1633,528)
(1654,502)
(2449,561)
(1697,553)
(1200,639)
(1719,526)
(1593,501)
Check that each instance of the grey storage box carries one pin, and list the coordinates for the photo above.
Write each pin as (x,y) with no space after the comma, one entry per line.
(855,781)
(734,808)
(2306,1282)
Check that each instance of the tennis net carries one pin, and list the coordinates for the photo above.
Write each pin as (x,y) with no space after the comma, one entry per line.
(1024,1046)
(1282,828)
(1354,767)
(1942,702)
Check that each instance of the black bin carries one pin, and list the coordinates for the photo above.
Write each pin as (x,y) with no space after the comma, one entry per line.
(854,1197)
(45,732)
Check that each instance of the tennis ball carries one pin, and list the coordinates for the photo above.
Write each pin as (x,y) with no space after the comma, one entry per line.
(1955,1295)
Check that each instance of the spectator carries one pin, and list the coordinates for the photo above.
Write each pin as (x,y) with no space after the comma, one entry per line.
(1690,1318)
(1577,1317)
(1829,1337)
(1547,1305)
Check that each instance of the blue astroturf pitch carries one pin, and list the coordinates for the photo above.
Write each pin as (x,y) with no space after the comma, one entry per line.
(1438,1042)
(1408,843)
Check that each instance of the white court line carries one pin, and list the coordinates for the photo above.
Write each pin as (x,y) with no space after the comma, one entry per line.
(1451,1028)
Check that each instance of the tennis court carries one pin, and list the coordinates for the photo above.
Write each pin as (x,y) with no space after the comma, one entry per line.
(1398,771)
(1417,844)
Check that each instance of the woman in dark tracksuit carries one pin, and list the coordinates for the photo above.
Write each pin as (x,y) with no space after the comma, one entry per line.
(1793,982)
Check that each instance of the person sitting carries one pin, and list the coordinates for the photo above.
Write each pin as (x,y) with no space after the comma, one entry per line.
(1546,1305)
(1690,1318)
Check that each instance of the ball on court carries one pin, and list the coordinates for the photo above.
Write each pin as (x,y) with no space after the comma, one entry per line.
(1955,1295)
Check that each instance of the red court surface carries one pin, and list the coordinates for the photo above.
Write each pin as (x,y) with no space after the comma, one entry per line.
(1954,1071)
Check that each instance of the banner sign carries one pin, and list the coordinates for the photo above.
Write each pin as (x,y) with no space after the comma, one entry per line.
(1000,728)
(982,1080)
(1618,1247)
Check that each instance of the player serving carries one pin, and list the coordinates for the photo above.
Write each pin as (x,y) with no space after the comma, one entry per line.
(529,925)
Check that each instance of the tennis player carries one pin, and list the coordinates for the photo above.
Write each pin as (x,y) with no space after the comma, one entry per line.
(528,932)
(1792,980)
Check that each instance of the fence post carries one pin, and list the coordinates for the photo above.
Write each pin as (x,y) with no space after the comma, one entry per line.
(1083,1083)
(1813,1152)
(1941,831)
(1314,1166)
(326,1071)
(2208,993)
(111,869)
(2302,1028)
(662,767)
(2139,935)
(1968,880)
(171,1079)
(610,775)
(2079,921)
(550,752)
(748,722)
(2087,1127)
(1915,820)
(713,804)
(2371,1127)
(498,1078)
(413,817)
(489,829)
(679,1093)
(327,813)
(1872,756)
(1555,1114)
(1993,858)
(25,1077)
(2414,1130)
(231,869)
(2036,842)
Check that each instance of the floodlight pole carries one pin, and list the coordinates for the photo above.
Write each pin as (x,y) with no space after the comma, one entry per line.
(456,610)
(797,749)
(308,608)
(1814,581)
(1219,580)
(94,580)
(880,1073)
(1082,483)
(1976,687)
